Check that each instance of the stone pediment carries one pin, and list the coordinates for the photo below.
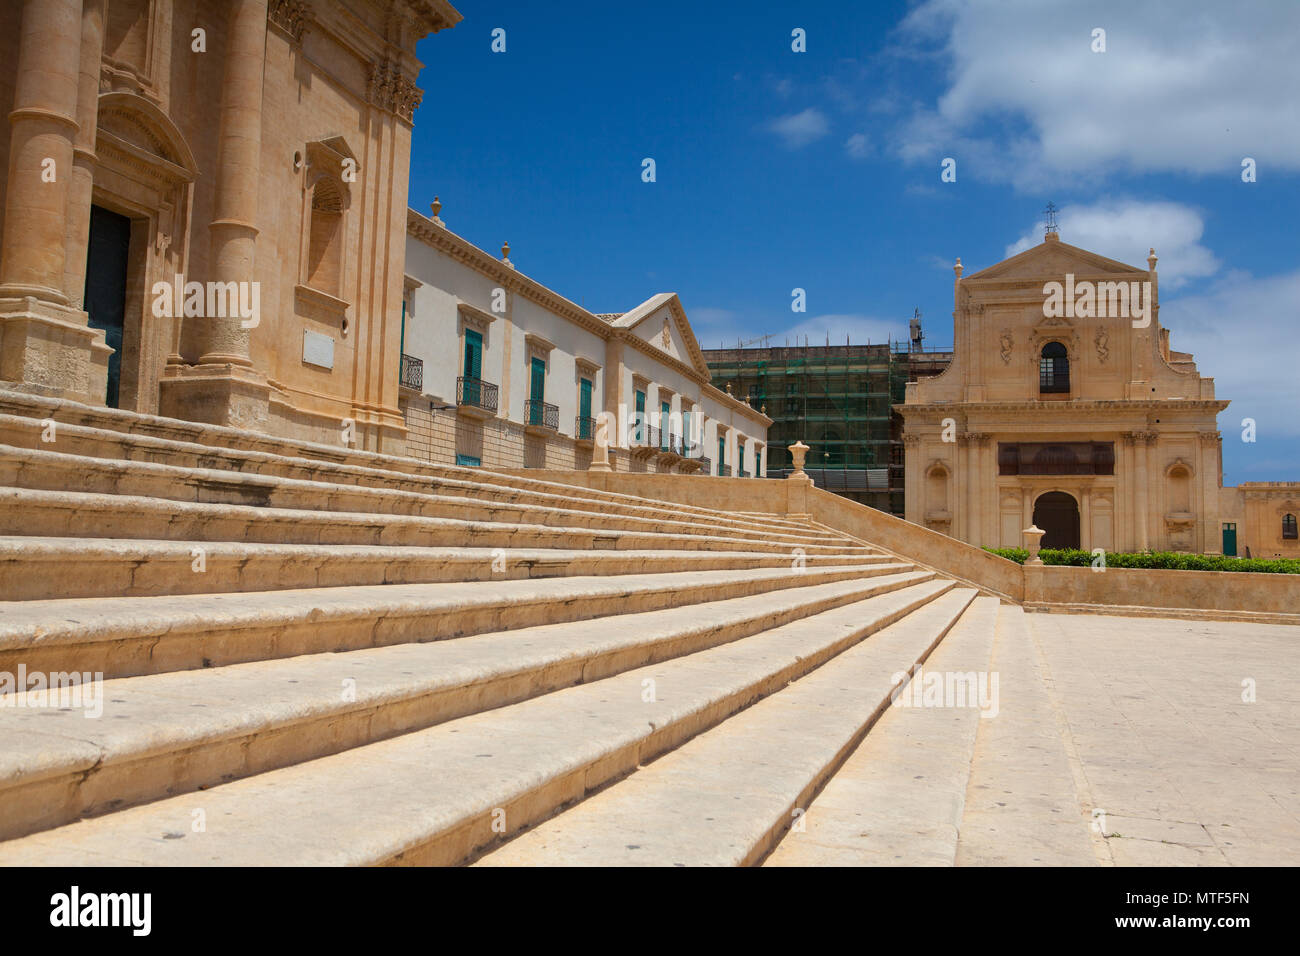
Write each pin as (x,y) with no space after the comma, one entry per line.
(1054,258)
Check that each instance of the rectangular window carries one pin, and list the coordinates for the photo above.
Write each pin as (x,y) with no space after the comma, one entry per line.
(638,435)
(473,354)
(686,432)
(758,468)
(469,461)
(722,451)
(537,386)
(584,398)
(665,411)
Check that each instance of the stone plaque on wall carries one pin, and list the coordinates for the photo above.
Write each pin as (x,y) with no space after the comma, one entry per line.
(317,349)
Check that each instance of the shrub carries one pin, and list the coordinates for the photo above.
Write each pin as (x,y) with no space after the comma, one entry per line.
(1160,560)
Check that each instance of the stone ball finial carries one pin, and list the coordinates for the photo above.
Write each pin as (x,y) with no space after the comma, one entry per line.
(957,268)
(436,206)
(505,250)
(1151,260)
(728,388)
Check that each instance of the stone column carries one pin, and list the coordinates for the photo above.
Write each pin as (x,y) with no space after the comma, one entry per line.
(223,388)
(233,231)
(46,344)
(1211,476)
(43,125)
(1085,518)
(77,236)
(1141,444)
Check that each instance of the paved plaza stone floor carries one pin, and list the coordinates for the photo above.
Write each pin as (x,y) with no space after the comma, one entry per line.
(1117,741)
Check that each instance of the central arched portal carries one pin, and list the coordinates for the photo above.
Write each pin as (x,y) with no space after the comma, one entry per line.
(1057,513)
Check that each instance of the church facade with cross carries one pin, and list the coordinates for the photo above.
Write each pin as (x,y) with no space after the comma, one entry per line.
(1066,407)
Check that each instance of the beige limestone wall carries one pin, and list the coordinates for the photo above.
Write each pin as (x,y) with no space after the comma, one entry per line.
(1209,591)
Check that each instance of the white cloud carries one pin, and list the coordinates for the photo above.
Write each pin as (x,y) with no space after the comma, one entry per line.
(800,129)
(857,146)
(1126,229)
(1187,86)
(1242,332)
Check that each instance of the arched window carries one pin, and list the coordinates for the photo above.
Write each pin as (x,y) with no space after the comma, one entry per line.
(325,242)
(1288,526)
(1054,369)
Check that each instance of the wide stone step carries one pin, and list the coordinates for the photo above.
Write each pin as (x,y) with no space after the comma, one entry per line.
(436,796)
(724,798)
(898,799)
(54,471)
(113,433)
(33,568)
(29,435)
(144,635)
(170,733)
(76,514)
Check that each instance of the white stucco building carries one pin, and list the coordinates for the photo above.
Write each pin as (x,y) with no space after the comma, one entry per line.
(499,371)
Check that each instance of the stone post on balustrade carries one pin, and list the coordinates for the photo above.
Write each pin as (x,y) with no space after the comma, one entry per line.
(798,484)
(600,453)
(1033,541)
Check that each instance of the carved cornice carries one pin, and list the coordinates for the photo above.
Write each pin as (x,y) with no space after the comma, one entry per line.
(1209,438)
(461,250)
(475,318)
(1140,438)
(389,88)
(291,16)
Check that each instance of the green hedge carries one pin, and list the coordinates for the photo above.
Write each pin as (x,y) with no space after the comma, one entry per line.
(1165,560)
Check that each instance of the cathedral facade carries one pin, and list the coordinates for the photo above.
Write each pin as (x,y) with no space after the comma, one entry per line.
(1065,407)
(204,207)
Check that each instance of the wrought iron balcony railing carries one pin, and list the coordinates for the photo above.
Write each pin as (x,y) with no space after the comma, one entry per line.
(542,414)
(724,471)
(476,393)
(706,466)
(412,375)
(584,429)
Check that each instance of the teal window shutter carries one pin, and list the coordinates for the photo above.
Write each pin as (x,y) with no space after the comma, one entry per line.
(538,388)
(584,398)
(722,451)
(473,354)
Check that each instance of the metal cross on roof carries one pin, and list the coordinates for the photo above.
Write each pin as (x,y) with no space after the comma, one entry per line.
(1051,216)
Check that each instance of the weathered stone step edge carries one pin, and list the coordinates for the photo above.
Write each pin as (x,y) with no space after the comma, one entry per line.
(125,636)
(425,828)
(22,404)
(1181,613)
(915,799)
(62,514)
(55,471)
(776,753)
(25,433)
(35,568)
(194,729)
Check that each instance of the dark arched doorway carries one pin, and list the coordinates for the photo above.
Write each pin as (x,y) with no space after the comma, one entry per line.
(1058,514)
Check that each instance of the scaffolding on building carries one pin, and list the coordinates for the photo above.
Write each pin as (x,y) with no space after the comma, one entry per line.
(837,399)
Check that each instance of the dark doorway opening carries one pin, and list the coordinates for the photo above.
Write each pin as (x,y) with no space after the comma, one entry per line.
(1058,514)
(106,263)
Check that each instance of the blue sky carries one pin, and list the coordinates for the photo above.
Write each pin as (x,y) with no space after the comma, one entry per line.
(821,170)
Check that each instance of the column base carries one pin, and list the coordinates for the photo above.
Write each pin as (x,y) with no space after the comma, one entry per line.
(230,395)
(49,349)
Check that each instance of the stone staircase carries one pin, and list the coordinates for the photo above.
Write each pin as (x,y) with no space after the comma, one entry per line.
(318,655)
